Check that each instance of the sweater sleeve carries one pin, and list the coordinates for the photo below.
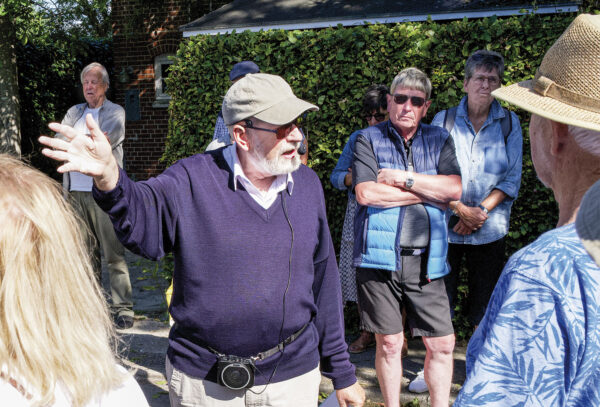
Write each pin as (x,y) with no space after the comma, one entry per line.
(329,321)
(144,214)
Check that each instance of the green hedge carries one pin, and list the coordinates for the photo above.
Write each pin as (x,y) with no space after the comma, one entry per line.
(333,67)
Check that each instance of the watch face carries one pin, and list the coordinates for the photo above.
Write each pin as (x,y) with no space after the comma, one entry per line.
(409,183)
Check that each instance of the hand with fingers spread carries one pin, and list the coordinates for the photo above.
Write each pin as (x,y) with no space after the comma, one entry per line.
(88,154)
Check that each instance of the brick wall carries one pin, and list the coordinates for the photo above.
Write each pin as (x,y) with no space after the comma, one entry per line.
(142,30)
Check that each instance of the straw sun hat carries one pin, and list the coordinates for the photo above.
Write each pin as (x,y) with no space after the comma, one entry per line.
(566,87)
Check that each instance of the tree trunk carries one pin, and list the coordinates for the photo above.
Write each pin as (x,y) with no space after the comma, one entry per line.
(10,125)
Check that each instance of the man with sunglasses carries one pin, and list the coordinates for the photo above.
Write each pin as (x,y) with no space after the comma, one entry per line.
(404,175)
(256,299)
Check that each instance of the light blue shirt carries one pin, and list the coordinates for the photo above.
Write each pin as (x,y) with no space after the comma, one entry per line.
(486,163)
(539,341)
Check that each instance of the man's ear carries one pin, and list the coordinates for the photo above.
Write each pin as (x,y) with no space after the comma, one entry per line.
(426,107)
(240,136)
(560,137)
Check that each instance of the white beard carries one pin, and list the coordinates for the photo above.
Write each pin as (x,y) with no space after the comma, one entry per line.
(278,165)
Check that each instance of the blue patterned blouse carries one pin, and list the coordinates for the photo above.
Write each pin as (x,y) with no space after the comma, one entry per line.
(539,341)
(221,132)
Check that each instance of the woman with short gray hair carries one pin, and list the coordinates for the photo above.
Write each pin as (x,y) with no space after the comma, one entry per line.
(489,146)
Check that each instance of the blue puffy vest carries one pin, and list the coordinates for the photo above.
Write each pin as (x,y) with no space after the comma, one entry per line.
(377,231)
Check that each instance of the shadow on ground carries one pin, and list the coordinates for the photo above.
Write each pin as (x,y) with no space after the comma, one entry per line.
(143,347)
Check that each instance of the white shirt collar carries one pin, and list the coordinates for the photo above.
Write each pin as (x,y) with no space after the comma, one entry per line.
(264,199)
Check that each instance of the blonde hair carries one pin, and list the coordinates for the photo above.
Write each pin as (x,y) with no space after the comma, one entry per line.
(54,323)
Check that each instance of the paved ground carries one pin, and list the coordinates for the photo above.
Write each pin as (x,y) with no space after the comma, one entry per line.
(144,346)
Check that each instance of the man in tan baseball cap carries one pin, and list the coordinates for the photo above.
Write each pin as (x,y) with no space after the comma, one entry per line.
(256,291)
(539,340)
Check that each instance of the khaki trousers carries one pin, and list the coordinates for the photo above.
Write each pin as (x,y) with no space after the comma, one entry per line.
(188,391)
(102,236)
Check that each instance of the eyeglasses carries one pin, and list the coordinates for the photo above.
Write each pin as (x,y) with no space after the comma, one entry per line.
(400,99)
(281,131)
(378,116)
(493,80)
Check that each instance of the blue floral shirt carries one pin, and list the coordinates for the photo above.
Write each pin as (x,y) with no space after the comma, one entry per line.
(486,162)
(539,341)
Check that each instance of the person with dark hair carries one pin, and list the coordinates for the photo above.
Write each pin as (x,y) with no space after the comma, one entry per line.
(374,110)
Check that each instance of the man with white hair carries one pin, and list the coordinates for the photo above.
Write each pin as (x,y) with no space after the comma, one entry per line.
(539,340)
(111,120)
(256,296)
(404,174)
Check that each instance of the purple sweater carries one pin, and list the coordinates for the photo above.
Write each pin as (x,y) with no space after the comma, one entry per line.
(232,263)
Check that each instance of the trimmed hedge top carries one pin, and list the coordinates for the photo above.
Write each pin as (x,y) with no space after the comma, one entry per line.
(333,67)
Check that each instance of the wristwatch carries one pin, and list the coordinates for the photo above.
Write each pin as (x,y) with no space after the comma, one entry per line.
(483,208)
(410,181)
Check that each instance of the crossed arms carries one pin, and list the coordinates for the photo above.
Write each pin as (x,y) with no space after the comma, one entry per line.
(386,188)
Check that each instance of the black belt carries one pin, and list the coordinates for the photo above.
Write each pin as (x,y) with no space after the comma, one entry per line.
(277,348)
(412,252)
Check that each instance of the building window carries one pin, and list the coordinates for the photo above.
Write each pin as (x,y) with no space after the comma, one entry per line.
(161,72)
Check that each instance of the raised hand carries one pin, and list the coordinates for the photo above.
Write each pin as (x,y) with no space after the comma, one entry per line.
(88,154)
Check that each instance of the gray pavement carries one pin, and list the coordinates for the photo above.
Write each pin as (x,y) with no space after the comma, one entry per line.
(144,346)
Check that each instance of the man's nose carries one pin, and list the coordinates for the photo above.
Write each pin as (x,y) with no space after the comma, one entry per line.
(294,135)
(407,107)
